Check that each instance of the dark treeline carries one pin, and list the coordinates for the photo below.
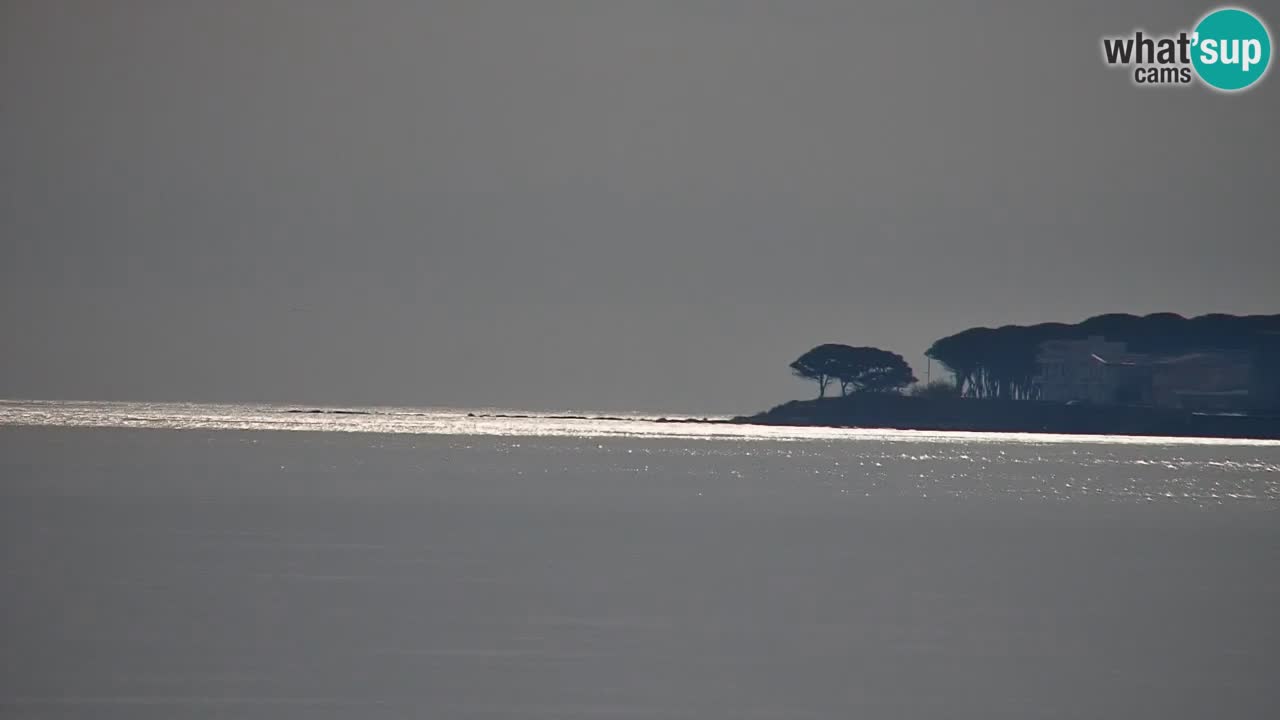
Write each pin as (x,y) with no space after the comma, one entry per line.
(1001,362)
(857,369)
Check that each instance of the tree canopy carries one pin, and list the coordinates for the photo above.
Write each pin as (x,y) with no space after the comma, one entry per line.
(1002,362)
(857,369)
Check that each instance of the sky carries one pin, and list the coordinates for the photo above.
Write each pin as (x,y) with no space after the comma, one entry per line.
(551,204)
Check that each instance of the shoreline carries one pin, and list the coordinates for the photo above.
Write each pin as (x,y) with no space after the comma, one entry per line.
(898,412)
(863,412)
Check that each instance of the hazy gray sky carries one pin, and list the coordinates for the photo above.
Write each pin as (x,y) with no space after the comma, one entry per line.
(596,204)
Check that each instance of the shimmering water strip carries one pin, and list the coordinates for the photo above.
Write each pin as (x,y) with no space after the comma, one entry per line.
(486,422)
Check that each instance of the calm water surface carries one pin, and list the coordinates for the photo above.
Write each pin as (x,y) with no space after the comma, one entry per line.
(165,561)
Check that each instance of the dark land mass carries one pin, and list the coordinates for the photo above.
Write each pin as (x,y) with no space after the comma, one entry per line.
(889,410)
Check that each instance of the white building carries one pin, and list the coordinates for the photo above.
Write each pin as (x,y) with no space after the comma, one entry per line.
(1077,369)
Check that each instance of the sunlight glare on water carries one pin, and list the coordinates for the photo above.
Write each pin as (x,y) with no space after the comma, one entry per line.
(842,463)
(450,421)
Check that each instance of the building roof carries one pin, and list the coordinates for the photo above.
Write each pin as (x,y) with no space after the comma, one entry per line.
(1167,360)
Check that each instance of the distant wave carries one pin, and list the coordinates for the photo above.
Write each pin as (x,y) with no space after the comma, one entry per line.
(294,411)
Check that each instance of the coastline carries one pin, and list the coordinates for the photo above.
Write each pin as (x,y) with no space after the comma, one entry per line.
(809,418)
(898,412)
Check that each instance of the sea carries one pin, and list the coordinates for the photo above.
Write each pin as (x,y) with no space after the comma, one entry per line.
(164,560)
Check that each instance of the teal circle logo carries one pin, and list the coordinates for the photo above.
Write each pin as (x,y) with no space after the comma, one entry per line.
(1231,49)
